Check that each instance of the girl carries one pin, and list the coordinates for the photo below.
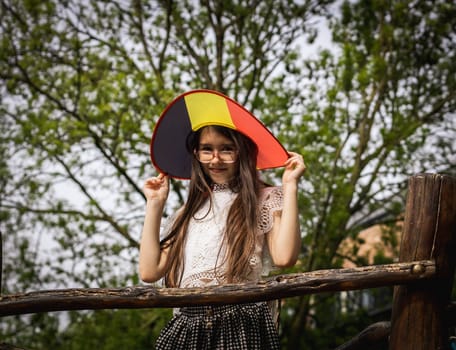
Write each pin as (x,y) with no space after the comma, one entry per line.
(230,223)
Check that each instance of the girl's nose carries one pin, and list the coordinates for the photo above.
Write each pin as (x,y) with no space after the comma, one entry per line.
(215,158)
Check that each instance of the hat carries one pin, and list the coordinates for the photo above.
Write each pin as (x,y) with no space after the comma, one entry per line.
(198,108)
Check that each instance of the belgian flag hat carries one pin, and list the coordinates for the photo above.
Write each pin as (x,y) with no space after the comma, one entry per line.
(198,108)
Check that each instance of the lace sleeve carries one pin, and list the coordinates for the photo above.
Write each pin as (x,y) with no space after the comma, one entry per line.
(271,201)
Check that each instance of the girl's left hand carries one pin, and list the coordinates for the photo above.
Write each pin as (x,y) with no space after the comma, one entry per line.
(294,168)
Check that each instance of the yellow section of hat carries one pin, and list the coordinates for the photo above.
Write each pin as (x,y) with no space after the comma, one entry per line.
(208,109)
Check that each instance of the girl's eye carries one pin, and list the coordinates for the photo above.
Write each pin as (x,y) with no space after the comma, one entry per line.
(227,149)
(205,149)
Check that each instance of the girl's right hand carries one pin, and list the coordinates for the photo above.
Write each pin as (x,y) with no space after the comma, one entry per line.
(156,188)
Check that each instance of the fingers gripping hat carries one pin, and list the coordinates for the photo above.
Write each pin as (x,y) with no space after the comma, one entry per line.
(198,108)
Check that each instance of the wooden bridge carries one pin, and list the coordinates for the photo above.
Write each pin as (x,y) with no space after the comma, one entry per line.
(422,311)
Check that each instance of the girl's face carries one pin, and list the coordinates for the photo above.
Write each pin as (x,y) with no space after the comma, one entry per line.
(218,156)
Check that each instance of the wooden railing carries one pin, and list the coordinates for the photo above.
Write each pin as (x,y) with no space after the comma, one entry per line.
(423,280)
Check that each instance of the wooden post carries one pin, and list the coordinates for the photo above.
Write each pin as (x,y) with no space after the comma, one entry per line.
(418,318)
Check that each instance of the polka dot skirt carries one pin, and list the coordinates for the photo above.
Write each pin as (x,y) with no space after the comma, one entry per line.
(240,326)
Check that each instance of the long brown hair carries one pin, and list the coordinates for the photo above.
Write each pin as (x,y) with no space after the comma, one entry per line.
(240,234)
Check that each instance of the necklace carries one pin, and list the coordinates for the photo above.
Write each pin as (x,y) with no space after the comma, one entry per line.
(220,187)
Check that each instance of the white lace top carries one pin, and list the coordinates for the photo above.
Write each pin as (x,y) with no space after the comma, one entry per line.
(203,262)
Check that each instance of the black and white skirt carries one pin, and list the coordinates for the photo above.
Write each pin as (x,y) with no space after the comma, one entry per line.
(239,326)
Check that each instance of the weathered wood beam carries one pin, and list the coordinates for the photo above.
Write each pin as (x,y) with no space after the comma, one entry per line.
(371,336)
(378,333)
(419,318)
(274,288)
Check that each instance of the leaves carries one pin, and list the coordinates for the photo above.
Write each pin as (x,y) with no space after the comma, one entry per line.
(84,83)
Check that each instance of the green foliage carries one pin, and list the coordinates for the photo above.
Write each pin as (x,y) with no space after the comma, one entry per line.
(84,82)
(103,330)
(380,99)
(107,330)
(31,331)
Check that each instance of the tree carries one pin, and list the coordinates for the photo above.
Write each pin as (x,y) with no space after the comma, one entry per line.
(388,93)
(84,83)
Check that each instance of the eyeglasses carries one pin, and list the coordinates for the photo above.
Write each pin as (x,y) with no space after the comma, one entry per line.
(225,155)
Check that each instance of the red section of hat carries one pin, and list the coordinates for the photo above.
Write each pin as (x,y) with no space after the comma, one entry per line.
(270,154)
